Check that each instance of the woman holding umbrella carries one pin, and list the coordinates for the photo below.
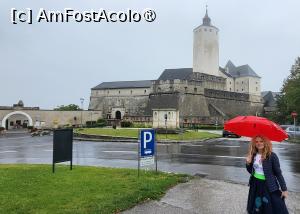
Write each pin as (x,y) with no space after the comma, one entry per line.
(267,185)
(263,165)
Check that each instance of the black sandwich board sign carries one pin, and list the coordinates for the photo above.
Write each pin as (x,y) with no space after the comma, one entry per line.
(62,146)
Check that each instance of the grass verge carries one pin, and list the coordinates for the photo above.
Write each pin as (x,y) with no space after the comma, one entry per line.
(189,135)
(35,189)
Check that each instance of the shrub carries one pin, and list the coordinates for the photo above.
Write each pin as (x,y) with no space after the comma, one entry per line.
(101,123)
(91,124)
(126,124)
(66,126)
(209,127)
(142,125)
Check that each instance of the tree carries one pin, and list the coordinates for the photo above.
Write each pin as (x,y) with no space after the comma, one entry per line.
(70,107)
(289,100)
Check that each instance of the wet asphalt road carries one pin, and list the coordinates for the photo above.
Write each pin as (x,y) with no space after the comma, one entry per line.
(221,159)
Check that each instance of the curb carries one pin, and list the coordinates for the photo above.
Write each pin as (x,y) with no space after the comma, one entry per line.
(130,140)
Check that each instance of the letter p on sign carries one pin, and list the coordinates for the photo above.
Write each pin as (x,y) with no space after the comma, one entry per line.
(147,142)
(147,138)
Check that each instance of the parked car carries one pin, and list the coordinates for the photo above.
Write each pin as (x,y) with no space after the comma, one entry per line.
(40,132)
(284,127)
(293,131)
(229,134)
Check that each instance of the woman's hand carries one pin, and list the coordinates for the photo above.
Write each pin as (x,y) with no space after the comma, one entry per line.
(249,156)
(284,194)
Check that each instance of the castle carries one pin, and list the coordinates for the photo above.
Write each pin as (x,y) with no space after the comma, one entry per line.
(203,94)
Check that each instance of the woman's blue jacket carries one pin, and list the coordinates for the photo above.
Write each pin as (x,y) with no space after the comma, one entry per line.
(272,171)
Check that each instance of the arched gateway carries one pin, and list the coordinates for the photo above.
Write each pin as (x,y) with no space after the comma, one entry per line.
(3,124)
(118,115)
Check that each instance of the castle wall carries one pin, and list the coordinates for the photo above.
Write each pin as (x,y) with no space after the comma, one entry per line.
(242,85)
(229,82)
(196,84)
(184,86)
(121,92)
(254,86)
(128,101)
(213,105)
(49,118)
(201,99)
(233,104)
(193,105)
(128,105)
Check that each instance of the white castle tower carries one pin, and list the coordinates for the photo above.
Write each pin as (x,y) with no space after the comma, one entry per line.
(206,48)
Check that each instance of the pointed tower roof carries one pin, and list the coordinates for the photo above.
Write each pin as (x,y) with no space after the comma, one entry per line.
(206,19)
(240,71)
(230,66)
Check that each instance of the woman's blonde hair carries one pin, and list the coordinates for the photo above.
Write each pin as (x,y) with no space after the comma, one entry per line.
(267,146)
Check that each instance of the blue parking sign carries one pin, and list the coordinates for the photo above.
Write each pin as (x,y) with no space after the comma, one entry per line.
(147,140)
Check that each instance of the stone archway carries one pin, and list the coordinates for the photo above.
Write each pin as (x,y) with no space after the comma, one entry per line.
(118,115)
(14,113)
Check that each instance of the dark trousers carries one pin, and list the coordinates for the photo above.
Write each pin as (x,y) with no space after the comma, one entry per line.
(260,200)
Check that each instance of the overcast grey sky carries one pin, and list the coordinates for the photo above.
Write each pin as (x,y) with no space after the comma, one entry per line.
(51,64)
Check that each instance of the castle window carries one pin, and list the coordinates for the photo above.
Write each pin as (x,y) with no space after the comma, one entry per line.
(205,29)
(195,90)
(230,89)
(242,82)
(170,88)
(256,89)
(159,89)
(230,83)
(185,89)
(237,90)
(131,92)
(242,89)
(209,30)
(107,92)
(145,91)
(256,82)
(119,92)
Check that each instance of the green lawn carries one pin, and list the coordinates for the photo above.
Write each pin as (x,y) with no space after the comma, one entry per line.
(35,189)
(110,132)
(189,135)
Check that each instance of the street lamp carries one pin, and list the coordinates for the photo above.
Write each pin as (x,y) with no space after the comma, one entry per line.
(166,118)
(81,100)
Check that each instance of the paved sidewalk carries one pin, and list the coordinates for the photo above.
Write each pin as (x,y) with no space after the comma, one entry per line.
(206,197)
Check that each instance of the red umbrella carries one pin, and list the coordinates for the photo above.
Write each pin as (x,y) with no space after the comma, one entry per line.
(251,126)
